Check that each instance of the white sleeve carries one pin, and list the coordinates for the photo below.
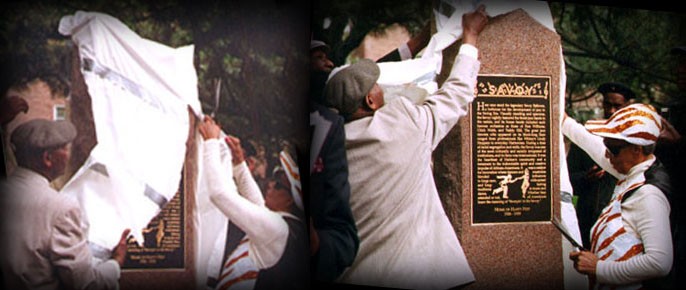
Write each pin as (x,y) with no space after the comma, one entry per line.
(469,50)
(440,111)
(647,213)
(267,230)
(592,144)
(246,184)
(69,253)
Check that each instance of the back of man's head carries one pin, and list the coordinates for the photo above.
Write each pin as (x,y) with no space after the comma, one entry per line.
(33,137)
(347,87)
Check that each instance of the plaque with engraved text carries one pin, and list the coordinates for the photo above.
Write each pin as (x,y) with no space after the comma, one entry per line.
(511,149)
(163,247)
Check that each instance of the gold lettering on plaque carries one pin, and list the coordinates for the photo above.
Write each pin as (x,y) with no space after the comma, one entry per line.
(511,156)
(163,245)
(488,89)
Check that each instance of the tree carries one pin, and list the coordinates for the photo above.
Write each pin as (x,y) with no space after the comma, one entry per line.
(258,50)
(618,44)
(600,43)
(344,24)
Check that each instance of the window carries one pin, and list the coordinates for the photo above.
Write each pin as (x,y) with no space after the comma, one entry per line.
(59,112)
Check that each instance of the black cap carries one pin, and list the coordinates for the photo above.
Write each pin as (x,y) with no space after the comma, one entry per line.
(679,50)
(617,88)
(319,45)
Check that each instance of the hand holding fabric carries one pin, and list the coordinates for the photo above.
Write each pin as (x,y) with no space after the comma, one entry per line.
(237,154)
(473,23)
(209,129)
(119,252)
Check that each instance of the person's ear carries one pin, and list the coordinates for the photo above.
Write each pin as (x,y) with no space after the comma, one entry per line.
(371,103)
(46,159)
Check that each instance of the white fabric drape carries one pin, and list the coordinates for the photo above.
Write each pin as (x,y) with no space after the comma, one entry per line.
(415,80)
(140,91)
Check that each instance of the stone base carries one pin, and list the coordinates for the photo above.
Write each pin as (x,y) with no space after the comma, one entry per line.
(506,253)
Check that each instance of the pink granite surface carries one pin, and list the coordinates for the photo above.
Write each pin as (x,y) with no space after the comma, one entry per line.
(509,255)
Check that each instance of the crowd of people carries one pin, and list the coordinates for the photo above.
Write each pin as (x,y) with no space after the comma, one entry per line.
(370,213)
(632,233)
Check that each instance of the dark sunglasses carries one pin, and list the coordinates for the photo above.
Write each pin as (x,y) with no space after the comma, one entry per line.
(279,177)
(615,149)
(280,185)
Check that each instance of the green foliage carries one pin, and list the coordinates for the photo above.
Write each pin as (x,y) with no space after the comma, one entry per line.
(258,51)
(258,48)
(600,43)
(350,21)
(631,46)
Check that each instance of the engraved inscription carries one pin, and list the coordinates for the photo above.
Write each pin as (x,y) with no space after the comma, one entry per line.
(511,149)
(163,245)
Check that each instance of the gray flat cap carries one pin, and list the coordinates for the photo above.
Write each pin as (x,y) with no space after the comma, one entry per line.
(346,88)
(43,134)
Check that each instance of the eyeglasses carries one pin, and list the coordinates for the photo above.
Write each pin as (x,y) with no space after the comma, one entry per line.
(615,148)
(280,180)
(281,185)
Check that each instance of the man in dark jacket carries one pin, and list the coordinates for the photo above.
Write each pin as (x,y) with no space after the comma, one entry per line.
(333,234)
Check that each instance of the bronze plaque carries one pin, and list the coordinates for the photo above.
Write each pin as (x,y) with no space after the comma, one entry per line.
(163,247)
(511,149)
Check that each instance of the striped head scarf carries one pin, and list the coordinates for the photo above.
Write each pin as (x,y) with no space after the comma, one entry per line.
(638,124)
(290,168)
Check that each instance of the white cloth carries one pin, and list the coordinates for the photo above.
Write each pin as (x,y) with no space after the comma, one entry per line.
(404,52)
(610,239)
(239,271)
(645,213)
(572,278)
(293,175)
(409,77)
(592,144)
(415,80)
(211,223)
(406,239)
(140,91)
(41,241)
(266,229)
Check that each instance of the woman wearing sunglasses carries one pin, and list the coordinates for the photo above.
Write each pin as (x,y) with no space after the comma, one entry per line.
(274,252)
(631,242)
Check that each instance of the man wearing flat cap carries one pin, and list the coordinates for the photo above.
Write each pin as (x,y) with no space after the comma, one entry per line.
(406,239)
(631,242)
(43,245)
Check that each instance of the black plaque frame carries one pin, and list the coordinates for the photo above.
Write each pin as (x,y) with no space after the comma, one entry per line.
(157,252)
(510,116)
